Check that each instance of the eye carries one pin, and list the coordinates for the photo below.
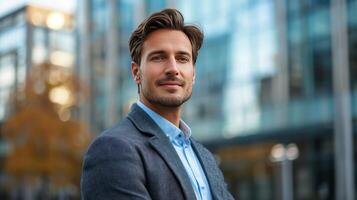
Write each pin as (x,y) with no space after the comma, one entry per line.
(183,59)
(157,58)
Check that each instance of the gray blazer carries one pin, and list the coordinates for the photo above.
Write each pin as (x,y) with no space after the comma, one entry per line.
(135,160)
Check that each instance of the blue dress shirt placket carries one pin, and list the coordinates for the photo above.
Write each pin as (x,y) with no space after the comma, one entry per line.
(193,164)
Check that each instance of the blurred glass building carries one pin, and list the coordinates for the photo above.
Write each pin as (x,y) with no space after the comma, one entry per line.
(264,77)
(30,35)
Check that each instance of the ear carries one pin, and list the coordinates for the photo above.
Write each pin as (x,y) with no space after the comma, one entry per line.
(135,72)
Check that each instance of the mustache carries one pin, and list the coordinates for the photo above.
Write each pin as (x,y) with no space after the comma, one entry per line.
(166,79)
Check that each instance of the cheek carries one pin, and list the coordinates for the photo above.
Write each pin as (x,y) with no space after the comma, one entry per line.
(189,82)
(148,78)
(151,71)
(190,76)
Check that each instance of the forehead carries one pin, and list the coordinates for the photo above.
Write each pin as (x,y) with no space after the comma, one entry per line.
(168,41)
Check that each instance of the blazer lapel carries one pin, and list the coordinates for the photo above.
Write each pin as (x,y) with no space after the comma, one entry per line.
(160,142)
(168,153)
(209,169)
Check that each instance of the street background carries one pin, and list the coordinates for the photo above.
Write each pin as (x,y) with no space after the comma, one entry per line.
(275,97)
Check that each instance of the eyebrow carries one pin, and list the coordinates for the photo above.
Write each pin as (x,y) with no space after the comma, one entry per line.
(184,53)
(155,52)
(163,52)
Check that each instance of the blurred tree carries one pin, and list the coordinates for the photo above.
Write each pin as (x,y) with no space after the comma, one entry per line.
(46,143)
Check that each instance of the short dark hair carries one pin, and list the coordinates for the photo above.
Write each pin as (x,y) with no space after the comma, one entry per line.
(165,19)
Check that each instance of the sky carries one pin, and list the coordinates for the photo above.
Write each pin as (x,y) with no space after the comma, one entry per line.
(7,6)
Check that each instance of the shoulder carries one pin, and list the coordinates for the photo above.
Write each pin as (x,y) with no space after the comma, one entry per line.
(113,161)
(125,130)
(122,137)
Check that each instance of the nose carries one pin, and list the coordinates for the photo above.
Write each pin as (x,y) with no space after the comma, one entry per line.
(172,68)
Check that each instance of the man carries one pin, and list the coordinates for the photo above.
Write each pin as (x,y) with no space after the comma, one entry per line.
(151,154)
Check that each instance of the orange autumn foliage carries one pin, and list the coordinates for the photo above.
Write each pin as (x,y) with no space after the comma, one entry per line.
(41,142)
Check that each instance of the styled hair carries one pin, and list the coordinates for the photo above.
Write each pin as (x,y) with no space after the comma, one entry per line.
(170,19)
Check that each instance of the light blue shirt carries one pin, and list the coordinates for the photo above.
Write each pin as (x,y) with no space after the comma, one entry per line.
(180,140)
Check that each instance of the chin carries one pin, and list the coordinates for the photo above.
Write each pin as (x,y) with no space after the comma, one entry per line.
(167,101)
(166,98)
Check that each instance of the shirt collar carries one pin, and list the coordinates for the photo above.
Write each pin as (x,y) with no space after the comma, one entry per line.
(167,127)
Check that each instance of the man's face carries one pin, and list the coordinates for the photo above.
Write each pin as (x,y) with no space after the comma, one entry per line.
(166,73)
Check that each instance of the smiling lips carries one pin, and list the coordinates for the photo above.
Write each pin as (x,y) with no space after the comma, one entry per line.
(171,83)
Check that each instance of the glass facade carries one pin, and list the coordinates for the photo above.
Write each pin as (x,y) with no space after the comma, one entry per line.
(264,76)
(30,36)
(352,33)
(12,57)
(26,42)
(267,83)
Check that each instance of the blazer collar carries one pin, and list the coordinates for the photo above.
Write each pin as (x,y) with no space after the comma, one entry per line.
(161,143)
(143,122)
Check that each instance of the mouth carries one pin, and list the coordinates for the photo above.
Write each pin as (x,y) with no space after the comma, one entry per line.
(171,83)
(170,86)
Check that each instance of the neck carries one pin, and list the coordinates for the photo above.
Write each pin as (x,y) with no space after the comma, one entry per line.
(172,114)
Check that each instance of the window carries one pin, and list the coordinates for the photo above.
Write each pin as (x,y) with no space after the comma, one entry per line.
(7,80)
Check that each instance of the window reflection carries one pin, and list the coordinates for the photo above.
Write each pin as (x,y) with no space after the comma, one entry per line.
(7,80)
